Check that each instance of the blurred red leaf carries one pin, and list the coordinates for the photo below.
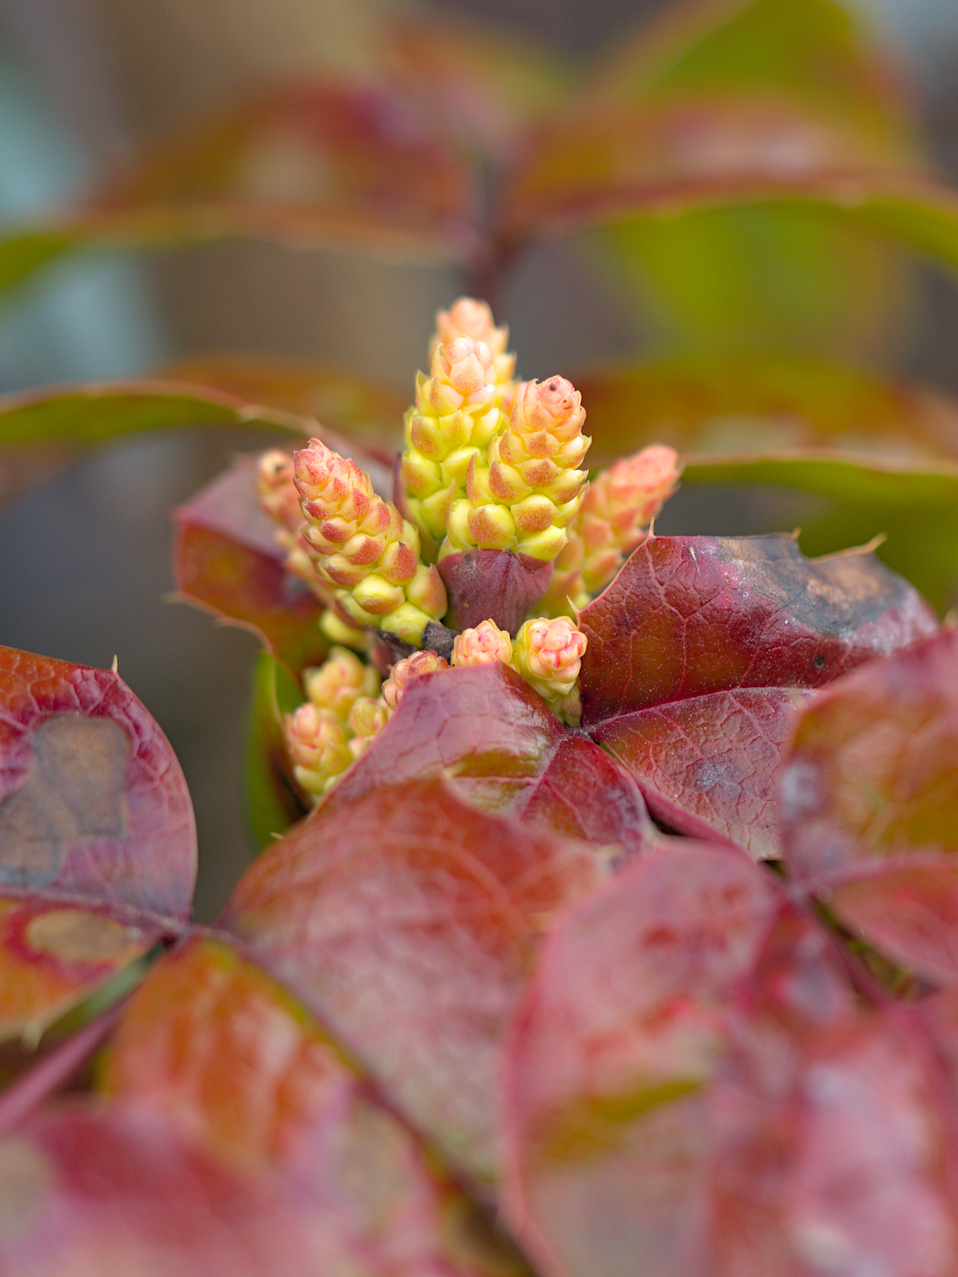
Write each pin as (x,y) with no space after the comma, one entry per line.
(97,840)
(361,162)
(870,803)
(215,1047)
(116,1191)
(765,406)
(491,735)
(406,920)
(663,1011)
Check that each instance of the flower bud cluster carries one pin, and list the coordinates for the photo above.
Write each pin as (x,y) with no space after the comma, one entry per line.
(457,412)
(279,498)
(364,548)
(333,726)
(546,652)
(526,492)
(612,521)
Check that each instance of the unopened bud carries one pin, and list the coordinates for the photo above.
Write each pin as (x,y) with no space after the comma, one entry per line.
(366,719)
(339,681)
(409,668)
(318,746)
(548,654)
(483,645)
(471,318)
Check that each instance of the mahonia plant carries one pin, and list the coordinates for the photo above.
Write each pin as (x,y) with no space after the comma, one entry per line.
(509,991)
(491,480)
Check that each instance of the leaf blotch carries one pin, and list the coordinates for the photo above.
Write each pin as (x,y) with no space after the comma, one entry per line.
(77,937)
(75,790)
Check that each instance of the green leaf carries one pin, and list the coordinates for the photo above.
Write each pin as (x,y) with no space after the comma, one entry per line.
(271,802)
(721,98)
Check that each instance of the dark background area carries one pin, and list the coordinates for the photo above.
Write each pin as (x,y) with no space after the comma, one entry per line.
(84,559)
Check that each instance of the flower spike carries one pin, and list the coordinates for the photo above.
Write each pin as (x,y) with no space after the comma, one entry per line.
(612,521)
(528,490)
(363,546)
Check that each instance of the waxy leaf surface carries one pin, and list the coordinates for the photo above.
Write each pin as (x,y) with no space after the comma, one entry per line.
(97,840)
(664,1012)
(406,920)
(870,803)
(213,1045)
(708,765)
(493,737)
(692,615)
(697,657)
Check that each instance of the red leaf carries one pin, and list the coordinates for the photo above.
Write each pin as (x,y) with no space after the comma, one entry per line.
(870,803)
(97,841)
(214,1046)
(690,970)
(93,805)
(486,730)
(691,615)
(708,766)
(228,562)
(496,585)
(115,1191)
(406,920)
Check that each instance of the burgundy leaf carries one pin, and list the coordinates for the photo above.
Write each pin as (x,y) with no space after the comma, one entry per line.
(870,803)
(708,766)
(93,805)
(690,971)
(486,730)
(406,920)
(691,615)
(496,585)
(214,1046)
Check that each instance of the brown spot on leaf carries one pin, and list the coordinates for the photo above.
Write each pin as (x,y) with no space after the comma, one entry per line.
(75,791)
(75,936)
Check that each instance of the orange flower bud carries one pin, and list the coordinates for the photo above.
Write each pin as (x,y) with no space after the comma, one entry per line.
(482,645)
(410,667)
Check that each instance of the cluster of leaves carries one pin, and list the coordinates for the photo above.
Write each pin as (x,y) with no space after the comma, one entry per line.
(671,992)
(477,1011)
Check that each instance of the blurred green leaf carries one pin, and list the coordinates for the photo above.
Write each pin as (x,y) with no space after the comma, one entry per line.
(271,802)
(695,114)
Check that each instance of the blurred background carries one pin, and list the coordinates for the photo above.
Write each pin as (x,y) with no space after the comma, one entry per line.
(84,86)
